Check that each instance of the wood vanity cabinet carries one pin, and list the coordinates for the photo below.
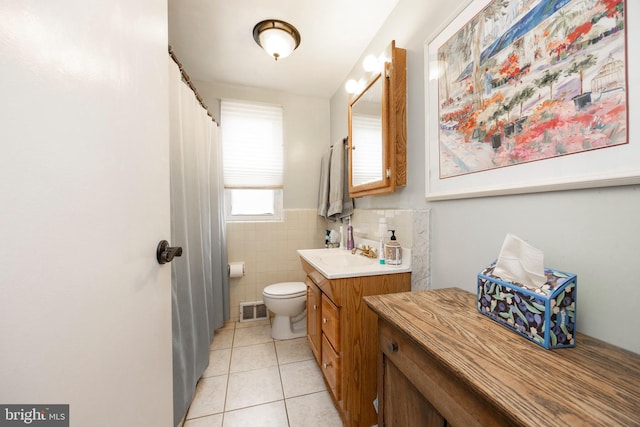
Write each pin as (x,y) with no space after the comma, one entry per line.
(441,363)
(343,335)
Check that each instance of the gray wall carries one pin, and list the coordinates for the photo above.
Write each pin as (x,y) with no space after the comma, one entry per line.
(594,233)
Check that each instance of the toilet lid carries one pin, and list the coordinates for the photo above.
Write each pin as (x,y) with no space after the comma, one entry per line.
(286,289)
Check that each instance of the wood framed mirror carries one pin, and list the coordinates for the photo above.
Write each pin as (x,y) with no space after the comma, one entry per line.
(377,130)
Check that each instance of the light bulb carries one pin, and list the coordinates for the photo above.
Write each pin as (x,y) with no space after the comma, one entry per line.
(351,86)
(370,63)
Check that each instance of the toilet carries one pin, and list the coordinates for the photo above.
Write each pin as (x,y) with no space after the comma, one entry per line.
(287,300)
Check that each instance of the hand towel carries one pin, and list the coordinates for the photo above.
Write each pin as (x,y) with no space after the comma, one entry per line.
(348,203)
(323,193)
(336,179)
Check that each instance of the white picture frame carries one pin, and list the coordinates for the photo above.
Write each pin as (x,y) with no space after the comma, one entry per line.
(611,166)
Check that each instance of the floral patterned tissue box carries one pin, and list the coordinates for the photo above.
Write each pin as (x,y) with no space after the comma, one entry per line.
(546,316)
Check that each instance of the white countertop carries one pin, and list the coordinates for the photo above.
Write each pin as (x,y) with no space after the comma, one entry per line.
(338,264)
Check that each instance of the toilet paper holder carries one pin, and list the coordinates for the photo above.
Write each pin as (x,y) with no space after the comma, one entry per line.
(235,269)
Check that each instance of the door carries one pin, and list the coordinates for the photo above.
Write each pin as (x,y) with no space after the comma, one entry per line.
(85,309)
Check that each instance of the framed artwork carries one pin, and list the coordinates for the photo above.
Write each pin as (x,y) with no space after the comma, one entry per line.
(530,96)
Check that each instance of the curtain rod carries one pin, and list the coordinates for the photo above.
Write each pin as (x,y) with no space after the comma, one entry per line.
(187,80)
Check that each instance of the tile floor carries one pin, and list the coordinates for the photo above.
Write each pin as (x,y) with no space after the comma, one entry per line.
(253,380)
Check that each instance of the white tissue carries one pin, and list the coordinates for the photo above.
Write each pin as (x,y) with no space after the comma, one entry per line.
(236,269)
(520,262)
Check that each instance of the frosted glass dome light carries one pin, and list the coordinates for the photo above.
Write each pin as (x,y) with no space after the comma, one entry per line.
(277,38)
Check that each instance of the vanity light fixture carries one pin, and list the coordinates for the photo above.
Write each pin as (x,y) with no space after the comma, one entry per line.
(351,86)
(370,64)
(277,38)
(355,86)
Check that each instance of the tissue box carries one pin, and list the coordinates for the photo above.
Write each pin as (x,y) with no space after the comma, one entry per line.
(546,316)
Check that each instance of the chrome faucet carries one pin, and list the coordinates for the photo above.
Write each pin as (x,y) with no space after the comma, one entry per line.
(367,251)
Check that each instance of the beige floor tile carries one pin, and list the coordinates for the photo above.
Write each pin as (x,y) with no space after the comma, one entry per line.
(253,388)
(253,323)
(209,421)
(251,336)
(222,339)
(301,378)
(312,410)
(261,373)
(295,350)
(218,363)
(209,397)
(229,324)
(253,357)
(268,415)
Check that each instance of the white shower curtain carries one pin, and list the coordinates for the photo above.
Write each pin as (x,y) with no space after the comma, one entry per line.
(199,279)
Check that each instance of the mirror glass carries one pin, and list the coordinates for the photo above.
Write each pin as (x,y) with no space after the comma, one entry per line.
(366,133)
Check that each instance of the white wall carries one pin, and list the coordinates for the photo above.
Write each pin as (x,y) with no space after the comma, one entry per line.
(594,233)
(306,135)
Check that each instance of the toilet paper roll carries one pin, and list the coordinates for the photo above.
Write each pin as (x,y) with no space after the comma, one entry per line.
(236,269)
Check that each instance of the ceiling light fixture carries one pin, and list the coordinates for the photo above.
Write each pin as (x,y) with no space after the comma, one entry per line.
(277,38)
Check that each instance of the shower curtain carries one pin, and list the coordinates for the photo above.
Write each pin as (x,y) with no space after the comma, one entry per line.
(199,278)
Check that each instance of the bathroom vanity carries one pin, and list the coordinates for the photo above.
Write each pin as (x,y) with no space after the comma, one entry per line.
(442,363)
(342,331)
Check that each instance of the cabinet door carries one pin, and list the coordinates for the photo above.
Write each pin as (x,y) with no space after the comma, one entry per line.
(403,405)
(314,318)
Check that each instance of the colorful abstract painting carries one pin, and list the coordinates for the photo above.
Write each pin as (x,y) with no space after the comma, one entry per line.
(528,80)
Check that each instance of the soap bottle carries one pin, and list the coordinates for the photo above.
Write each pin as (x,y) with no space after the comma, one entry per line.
(393,250)
(382,231)
(350,242)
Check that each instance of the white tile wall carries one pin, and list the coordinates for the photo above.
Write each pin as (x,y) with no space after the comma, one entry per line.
(365,224)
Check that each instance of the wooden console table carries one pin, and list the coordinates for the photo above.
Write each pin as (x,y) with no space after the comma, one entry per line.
(442,363)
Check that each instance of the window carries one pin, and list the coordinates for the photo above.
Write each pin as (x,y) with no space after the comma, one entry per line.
(252,141)
(367,164)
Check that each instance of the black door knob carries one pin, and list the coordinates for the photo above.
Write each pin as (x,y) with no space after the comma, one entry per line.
(165,253)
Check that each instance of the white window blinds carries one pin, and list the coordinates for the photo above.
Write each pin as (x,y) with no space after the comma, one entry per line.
(252,143)
(367,160)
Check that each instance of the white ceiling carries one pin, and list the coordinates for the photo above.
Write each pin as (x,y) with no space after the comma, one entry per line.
(213,39)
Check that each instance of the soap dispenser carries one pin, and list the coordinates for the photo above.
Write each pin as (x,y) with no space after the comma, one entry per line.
(393,250)
(350,241)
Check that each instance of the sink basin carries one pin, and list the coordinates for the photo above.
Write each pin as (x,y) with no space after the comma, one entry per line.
(339,263)
(345,259)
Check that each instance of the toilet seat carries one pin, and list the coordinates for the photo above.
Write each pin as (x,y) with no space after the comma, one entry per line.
(286,290)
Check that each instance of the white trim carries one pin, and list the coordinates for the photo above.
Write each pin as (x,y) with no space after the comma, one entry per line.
(278,214)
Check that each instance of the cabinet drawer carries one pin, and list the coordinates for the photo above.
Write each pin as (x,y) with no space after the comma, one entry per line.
(331,322)
(331,367)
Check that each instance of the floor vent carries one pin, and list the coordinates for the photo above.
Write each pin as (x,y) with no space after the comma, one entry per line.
(253,311)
